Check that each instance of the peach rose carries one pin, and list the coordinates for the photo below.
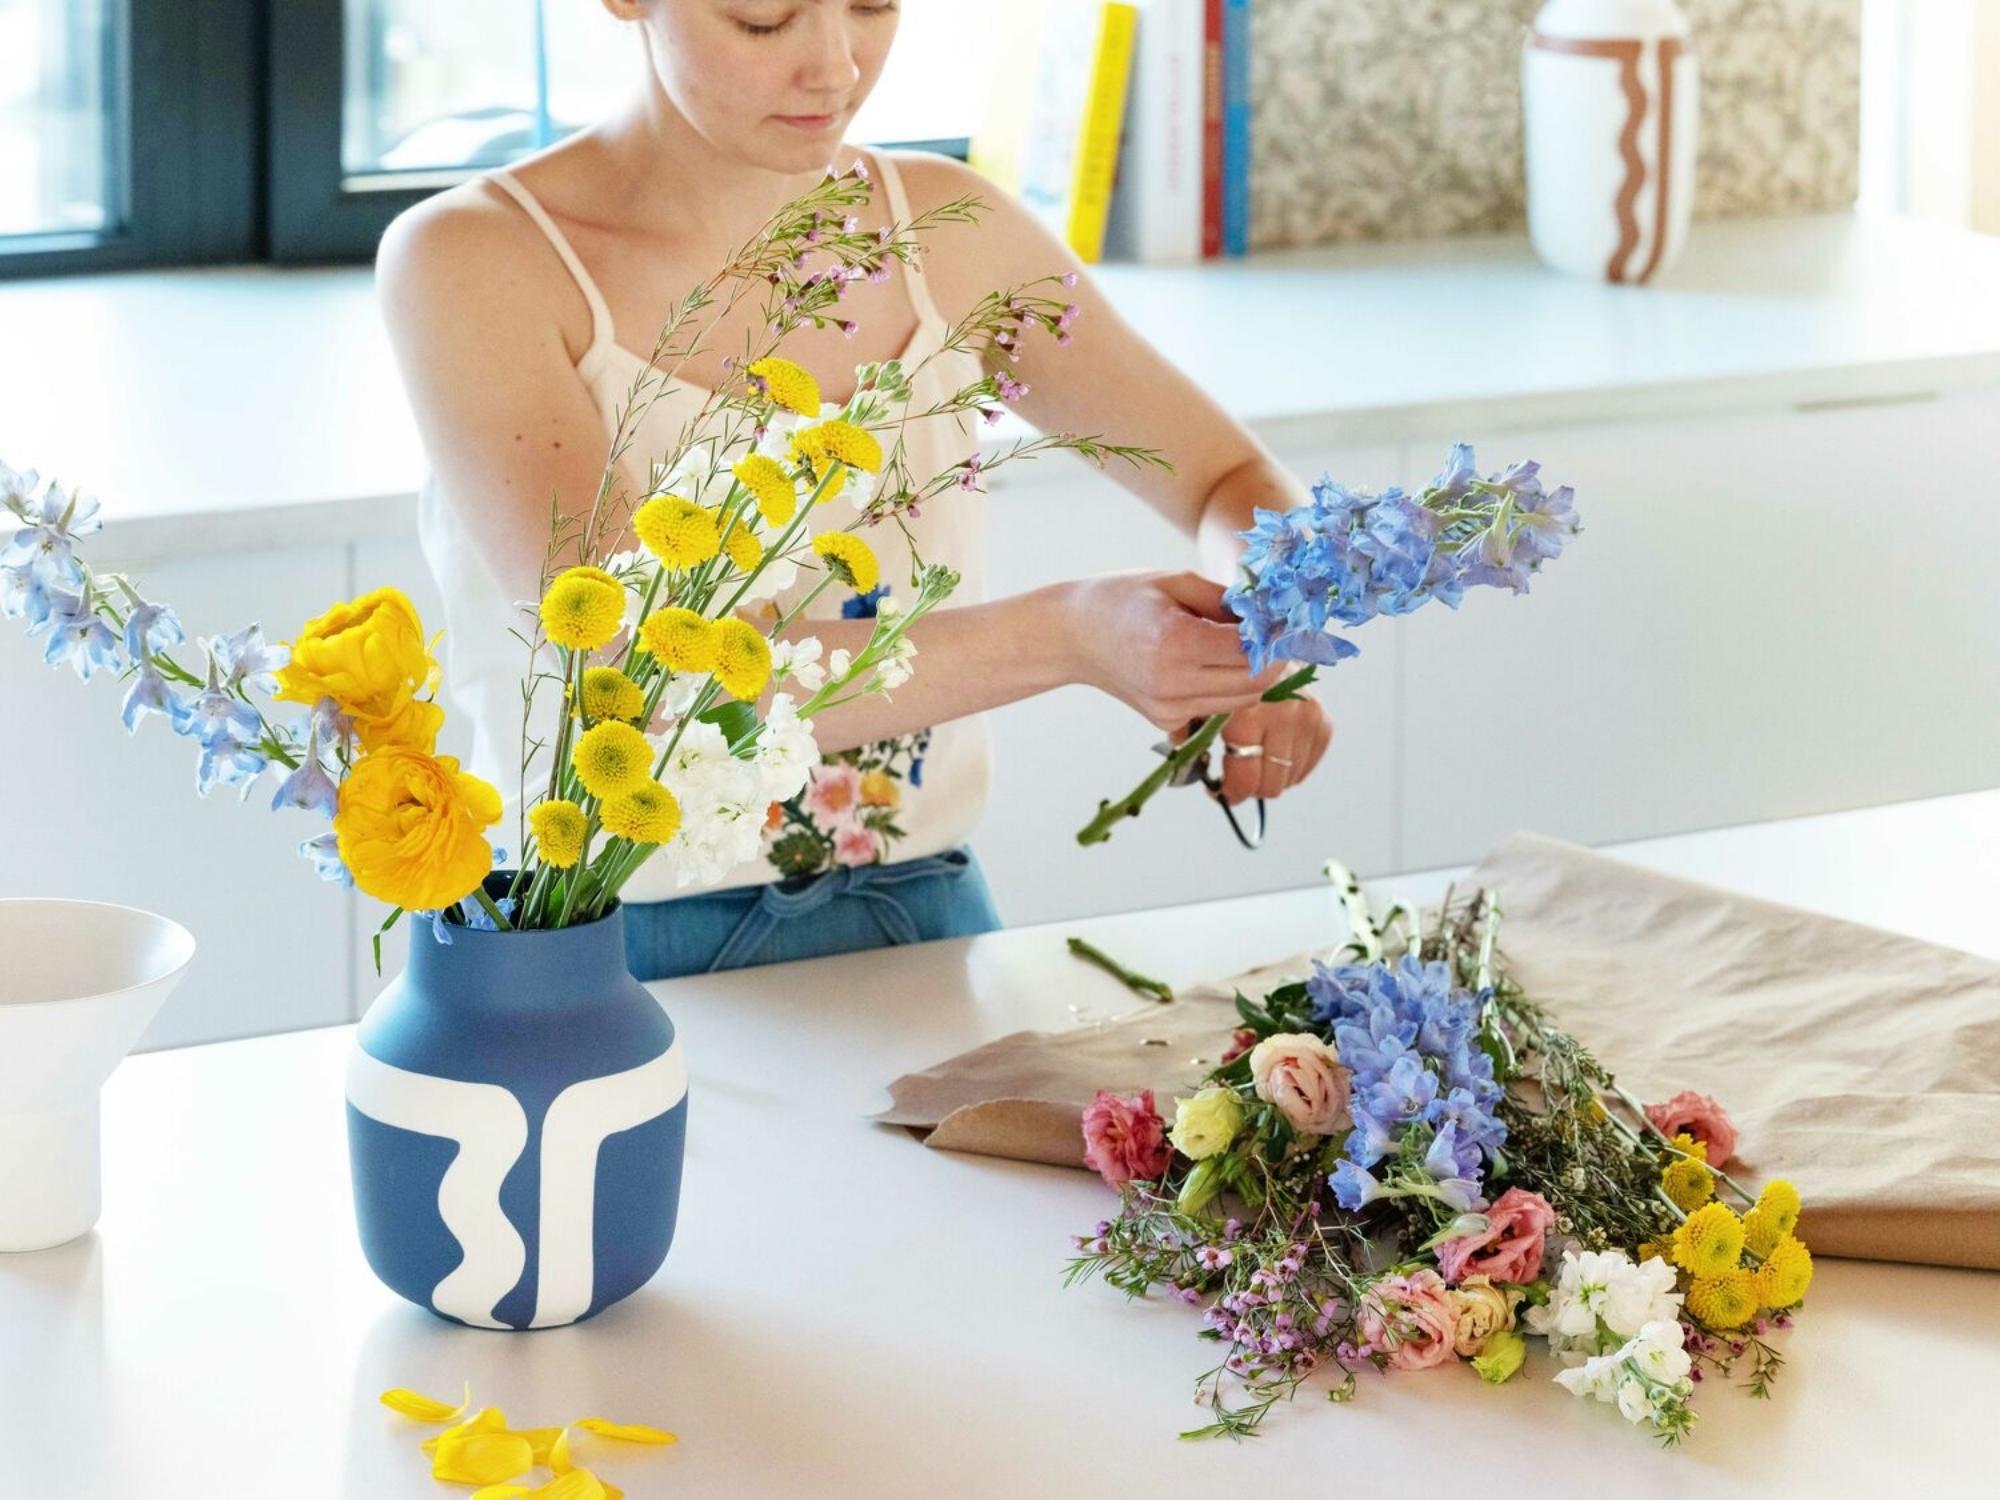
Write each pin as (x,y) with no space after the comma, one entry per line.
(1699,1116)
(1301,1075)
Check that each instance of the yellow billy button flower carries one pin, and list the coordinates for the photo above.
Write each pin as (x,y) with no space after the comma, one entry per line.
(849,559)
(648,814)
(743,548)
(677,531)
(1786,1273)
(682,640)
(609,694)
(611,759)
(1688,1183)
(770,486)
(1759,1232)
(1780,1203)
(1688,1145)
(742,658)
(1709,1241)
(1722,1302)
(411,828)
(558,827)
(583,608)
(787,384)
(837,442)
(369,656)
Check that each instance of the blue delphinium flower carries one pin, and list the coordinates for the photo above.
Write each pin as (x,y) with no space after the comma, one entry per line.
(149,693)
(481,920)
(249,661)
(324,852)
(46,545)
(24,597)
(1423,1093)
(78,636)
(150,628)
(1351,555)
(228,731)
(309,788)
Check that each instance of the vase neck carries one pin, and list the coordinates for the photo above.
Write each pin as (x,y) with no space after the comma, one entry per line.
(524,971)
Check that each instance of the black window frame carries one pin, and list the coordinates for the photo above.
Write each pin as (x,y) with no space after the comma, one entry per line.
(231,146)
(188,142)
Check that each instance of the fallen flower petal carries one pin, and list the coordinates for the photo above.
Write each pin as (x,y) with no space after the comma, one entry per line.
(625,1432)
(421,1408)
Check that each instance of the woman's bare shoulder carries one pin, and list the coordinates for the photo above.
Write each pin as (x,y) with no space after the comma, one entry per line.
(1004,244)
(472,252)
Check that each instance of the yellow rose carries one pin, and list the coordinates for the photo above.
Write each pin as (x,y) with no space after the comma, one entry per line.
(1206,1124)
(369,656)
(878,789)
(411,828)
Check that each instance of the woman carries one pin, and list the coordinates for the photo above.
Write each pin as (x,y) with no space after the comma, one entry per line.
(515,301)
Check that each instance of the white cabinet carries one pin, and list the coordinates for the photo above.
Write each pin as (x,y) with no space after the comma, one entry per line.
(1766,615)
(96,816)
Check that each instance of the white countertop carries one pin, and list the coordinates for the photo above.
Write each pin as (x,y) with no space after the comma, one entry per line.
(846,1313)
(255,407)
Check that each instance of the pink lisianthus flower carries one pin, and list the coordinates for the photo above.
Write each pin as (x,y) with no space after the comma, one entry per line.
(834,797)
(1409,1318)
(1699,1116)
(1240,1042)
(1124,1138)
(1508,1249)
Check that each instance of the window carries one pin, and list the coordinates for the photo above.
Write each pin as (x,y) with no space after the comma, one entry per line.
(167,132)
(128,133)
(381,101)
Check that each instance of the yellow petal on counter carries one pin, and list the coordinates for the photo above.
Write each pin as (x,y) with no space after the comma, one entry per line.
(421,1408)
(559,1460)
(486,1419)
(577,1484)
(541,1440)
(625,1432)
(481,1457)
(500,1492)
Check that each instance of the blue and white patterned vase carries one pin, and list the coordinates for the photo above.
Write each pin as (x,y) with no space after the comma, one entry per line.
(516,1123)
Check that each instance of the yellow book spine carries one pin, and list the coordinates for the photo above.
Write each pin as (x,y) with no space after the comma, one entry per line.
(1103,117)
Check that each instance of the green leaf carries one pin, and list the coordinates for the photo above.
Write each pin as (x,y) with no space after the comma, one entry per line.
(739,725)
(394,917)
(1293,686)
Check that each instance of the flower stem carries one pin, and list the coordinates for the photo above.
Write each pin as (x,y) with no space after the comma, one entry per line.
(1132,980)
(499,918)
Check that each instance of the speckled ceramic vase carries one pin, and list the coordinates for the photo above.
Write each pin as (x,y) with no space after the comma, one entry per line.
(1611,95)
(516,1122)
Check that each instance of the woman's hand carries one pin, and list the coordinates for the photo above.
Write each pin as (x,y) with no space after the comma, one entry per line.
(1284,740)
(1164,643)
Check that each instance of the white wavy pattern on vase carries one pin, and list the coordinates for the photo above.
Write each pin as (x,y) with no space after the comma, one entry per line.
(581,1118)
(491,1130)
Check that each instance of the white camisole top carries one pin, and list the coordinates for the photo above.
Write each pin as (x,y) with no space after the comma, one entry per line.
(894,800)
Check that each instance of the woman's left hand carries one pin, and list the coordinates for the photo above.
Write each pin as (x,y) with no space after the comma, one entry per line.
(1292,736)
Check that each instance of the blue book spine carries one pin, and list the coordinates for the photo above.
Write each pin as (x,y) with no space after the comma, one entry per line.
(1236,127)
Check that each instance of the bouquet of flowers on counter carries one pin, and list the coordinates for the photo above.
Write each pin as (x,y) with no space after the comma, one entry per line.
(660,655)
(1353,555)
(1402,1162)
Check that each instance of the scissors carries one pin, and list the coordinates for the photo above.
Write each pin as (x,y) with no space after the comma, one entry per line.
(1200,772)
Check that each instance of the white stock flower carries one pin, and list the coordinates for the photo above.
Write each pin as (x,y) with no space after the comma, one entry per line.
(839,664)
(798,661)
(1644,1377)
(1604,1286)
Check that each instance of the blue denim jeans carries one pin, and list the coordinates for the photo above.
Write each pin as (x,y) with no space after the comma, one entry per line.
(869,906)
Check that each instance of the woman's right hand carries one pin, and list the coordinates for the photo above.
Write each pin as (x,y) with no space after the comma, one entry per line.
(1164,643)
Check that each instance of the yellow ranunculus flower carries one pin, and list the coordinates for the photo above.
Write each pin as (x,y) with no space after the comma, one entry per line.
(369,656)
(411,828)
(1206,1124)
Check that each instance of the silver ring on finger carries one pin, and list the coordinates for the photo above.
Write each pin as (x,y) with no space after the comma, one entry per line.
(1242,752)
(1279,760)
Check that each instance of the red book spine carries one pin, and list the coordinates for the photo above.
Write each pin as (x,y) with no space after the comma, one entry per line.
(1211,130)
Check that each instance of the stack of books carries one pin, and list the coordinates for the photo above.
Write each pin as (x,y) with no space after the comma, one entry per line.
(1126,125)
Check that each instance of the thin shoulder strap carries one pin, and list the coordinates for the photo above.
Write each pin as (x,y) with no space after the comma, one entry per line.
(600,313)
(899,210)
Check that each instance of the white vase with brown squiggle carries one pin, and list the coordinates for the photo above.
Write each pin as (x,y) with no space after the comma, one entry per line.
(1611,94)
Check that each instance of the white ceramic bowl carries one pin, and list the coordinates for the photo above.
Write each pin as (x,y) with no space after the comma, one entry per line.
(79,983)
